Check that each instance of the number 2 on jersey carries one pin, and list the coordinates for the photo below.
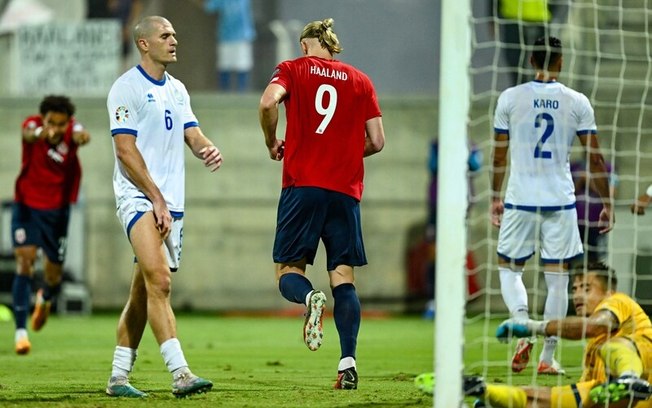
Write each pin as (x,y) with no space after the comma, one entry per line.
(539,153)
(326,111)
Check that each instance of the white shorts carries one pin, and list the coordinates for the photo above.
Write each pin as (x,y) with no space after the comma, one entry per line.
(555,231)
(235,56)
(131,210)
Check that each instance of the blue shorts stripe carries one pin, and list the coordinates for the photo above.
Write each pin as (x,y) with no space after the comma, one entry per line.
(132,222)
(532,208)
(516,260)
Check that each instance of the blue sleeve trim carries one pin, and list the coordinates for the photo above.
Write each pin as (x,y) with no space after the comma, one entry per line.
(190,124)
(124,131)
(586,132)
(502,131)
(177,215)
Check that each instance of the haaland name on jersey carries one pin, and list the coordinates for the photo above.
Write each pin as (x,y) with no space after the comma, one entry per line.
(546,103)
(328,73)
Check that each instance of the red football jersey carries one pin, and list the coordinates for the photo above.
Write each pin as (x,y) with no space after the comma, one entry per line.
(327,106)
(49,175)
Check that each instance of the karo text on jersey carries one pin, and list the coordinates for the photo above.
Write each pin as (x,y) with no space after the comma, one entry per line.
(546,103)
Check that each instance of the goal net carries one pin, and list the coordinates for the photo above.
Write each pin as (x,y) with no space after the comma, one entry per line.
(607,56)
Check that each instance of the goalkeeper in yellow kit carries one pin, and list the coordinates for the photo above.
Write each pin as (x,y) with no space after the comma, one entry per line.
(617,358)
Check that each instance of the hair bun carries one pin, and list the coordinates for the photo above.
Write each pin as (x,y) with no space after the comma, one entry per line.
(327,23)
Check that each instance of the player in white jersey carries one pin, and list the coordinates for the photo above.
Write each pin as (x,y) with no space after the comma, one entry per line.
(539,121)
(151,120)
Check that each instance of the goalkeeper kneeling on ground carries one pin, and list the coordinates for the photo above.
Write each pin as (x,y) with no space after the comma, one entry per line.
(617,358)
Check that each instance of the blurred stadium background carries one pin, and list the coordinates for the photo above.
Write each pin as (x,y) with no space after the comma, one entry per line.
(230,216)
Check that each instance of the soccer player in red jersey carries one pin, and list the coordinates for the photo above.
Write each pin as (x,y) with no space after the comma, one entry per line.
(333,121)
(47,184)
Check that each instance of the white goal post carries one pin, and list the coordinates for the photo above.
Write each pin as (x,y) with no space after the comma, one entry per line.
(452,201)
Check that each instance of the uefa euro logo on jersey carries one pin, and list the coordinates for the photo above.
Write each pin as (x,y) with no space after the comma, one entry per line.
(121,114)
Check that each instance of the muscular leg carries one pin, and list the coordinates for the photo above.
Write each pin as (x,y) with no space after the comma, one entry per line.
(52,274)
(134,315)
(152,265)
(132,322)
(148,297)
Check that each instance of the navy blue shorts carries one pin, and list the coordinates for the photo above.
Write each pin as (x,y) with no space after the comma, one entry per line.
(308,214)
(46,229)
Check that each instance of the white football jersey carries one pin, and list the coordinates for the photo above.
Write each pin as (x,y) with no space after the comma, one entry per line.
(542,120)
(156,113)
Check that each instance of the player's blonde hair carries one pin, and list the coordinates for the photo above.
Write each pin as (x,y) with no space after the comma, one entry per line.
(323,31)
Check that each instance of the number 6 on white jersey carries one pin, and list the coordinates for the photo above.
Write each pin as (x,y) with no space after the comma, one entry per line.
(328,111)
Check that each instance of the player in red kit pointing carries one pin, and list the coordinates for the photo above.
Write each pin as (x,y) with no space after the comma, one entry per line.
(47,184)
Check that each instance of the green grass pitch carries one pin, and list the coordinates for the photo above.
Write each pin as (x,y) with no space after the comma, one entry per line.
(252,361)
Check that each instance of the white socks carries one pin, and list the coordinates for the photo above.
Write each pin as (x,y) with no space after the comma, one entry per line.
(514,292)
(123,361)
(125,357)
(557,299)
(173,356)
(556,308)
(20,333)
(346,362)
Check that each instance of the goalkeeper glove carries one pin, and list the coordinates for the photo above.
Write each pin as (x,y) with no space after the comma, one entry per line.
(520,328)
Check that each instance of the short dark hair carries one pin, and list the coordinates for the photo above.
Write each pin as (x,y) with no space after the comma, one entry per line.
(603,272)
(547,51)
(57,103)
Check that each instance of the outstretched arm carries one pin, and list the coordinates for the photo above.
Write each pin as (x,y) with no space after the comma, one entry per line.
(577,328)
(572,327)
(203,148)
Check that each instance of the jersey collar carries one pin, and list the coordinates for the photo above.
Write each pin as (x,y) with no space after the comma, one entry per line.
(149,78)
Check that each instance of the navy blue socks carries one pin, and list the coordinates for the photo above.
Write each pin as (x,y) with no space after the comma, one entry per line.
(294,287)
(50,292)
(346,313)
(21,291)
